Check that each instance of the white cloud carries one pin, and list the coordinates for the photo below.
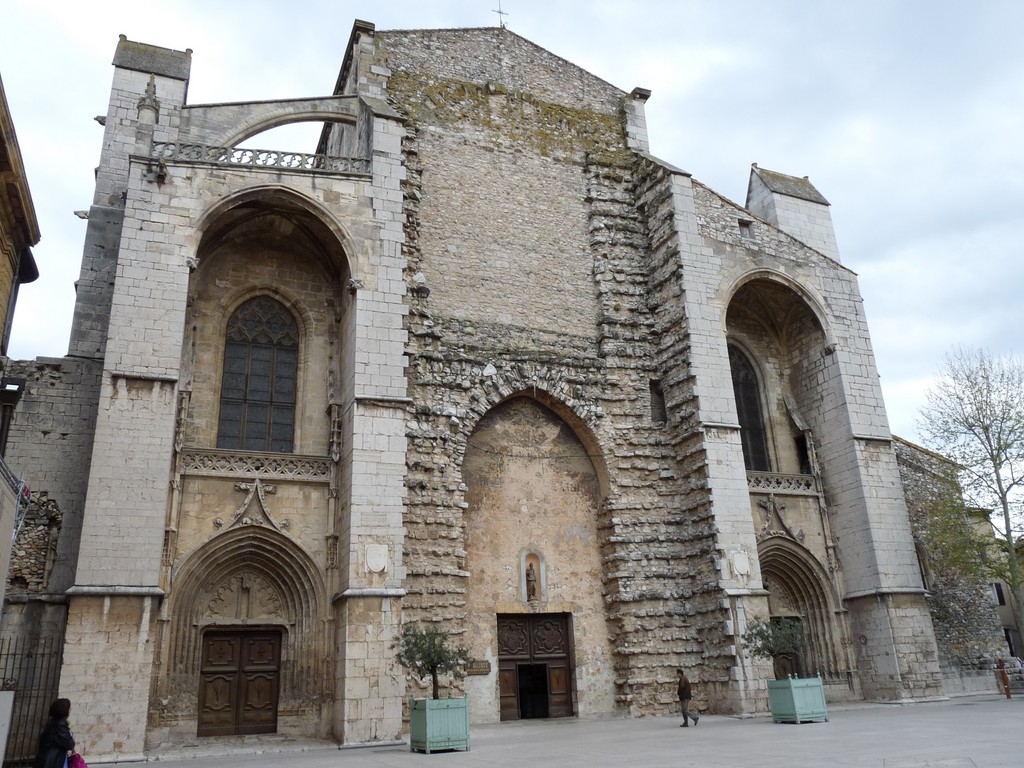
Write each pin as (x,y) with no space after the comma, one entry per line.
(907,116)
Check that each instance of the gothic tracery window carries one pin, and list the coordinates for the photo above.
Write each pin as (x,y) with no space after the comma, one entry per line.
(257,401)
(747,390)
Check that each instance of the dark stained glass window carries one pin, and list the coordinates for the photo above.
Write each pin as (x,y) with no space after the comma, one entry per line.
(747,390)
(257,397)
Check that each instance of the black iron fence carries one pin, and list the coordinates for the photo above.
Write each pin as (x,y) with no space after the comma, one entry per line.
(30,668)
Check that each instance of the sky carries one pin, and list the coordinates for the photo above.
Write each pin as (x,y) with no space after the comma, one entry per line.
(907,115)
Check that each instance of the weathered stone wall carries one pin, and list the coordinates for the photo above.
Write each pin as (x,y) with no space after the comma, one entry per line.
(49,444)
(697,547)
(556,308)
(531,487)
(136,63)
(967,627)
(108,649)
(34,551)
(499,57)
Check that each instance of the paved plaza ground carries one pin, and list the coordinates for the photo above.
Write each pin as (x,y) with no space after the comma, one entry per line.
(967,732)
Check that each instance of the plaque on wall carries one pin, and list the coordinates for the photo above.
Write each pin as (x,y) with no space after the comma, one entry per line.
(478,667)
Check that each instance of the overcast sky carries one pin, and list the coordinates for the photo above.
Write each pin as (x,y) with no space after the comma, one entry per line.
(907,116)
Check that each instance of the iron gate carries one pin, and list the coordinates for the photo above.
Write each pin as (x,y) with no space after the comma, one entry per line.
(30,668)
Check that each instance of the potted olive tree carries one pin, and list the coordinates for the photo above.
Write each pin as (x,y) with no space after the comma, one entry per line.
(434,723)
(792,699)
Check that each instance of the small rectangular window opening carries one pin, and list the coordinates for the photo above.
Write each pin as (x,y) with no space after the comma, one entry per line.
(658,413)
(997,588)
(746,228)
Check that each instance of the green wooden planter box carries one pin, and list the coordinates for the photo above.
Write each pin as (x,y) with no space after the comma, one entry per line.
(797,700)
(436,724)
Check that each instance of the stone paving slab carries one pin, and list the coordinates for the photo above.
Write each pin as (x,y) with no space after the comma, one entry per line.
(970,732)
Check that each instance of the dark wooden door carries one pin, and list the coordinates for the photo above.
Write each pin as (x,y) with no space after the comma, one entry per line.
(527,645)
(238,683)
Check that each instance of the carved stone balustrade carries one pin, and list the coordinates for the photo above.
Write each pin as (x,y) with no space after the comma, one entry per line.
(278,466)
(259,158)
(770,482)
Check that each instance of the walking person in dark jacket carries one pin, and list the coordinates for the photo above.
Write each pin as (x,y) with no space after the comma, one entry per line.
(685,694)
(56,740)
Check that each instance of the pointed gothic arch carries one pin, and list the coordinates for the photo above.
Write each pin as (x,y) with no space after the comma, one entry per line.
(732,285)
(535,499)
(249,577)
(749,393)
(350,259)
(259,378)
(800,588)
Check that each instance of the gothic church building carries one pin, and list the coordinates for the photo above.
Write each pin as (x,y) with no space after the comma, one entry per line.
(479,360)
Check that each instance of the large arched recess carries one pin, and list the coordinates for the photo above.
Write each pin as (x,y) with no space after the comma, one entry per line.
(800,588)
(799,294)
(535,493)
(779,328)
(250,576)
(310,218)
(273,241)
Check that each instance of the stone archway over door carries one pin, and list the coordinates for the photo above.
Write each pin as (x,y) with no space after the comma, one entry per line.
(239,682)
(535,669)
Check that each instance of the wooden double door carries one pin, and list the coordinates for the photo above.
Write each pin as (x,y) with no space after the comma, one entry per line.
(535,672)
(239,683)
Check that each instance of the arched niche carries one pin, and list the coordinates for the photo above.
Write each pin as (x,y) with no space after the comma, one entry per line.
(279,244)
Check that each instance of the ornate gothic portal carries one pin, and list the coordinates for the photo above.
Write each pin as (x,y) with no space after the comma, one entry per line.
(776,352)
(534,499)
(248,639)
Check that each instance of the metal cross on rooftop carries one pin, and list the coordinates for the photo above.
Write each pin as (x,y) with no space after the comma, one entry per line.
(501,22)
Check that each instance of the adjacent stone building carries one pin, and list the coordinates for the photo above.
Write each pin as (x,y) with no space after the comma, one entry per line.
(19,232)
(482,360)
(953,557)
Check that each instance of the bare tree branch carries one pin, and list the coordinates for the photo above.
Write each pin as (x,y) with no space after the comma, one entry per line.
(974,415)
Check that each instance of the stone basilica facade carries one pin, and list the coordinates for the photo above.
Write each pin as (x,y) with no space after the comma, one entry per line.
(481,332)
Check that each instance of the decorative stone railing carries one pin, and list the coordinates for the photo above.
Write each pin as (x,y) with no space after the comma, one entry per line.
(259,158)
(279,466)
(770,482)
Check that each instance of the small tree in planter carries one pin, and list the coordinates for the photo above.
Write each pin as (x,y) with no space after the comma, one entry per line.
(435,723)
(774,639)
(792,700)
(428,651)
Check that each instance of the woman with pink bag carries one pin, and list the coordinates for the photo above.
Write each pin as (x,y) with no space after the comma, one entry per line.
(56,740)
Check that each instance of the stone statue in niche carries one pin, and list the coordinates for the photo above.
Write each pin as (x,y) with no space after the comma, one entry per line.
(531,583)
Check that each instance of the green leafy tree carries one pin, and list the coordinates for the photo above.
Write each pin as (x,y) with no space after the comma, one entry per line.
(974,415)
(429,651)
(770,639)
